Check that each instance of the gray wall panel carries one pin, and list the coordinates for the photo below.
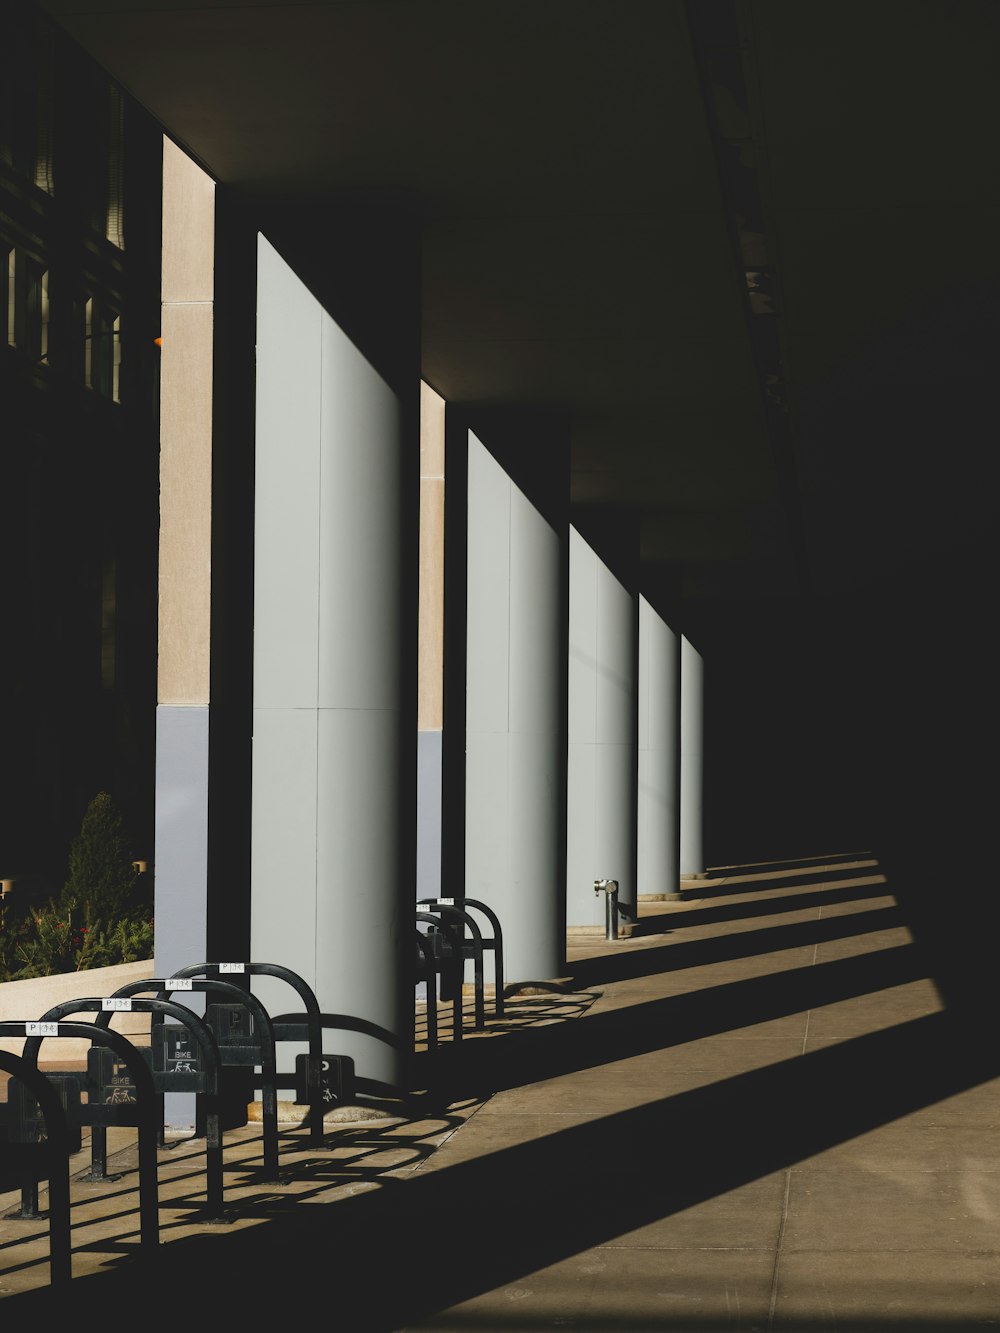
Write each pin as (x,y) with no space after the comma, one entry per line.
(601,800)
(658,796)
(287,483)
(429,768)
(514,730)
(181,866)
(334,802)
(692,852)
(181,835)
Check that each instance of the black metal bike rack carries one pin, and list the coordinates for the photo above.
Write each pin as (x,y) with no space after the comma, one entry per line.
(41,1149)
(170,1061)
(140,1113)
(319,1079)
(431,962)
(470,947)
(492,942)
(244,1034)
(176,1067)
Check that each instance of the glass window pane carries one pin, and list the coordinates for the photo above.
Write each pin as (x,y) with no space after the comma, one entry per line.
(88,342)
(115,229)
(43,351)
(12,299)
(116,358)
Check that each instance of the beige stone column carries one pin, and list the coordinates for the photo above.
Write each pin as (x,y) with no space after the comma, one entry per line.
(430,666)
(185,572)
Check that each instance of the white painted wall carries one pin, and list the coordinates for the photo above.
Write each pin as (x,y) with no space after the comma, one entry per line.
(601,789)
(659,794)
(514,725)
(328,755)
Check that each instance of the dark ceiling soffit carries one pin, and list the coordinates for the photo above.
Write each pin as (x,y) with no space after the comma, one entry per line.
(722,44)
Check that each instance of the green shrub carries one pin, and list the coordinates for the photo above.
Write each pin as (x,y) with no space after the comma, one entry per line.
(13,932)
(127,940)
(102,916)
(101,876)
(49,943)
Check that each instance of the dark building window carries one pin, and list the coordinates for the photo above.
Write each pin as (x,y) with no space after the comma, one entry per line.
(80,162)
(115,227)
(102,350)
(36,312)
(116,358)
(44,110)
(88,341)
(27,103)
(10,297)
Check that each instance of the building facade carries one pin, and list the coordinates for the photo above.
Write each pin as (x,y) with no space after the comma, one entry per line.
(79,292)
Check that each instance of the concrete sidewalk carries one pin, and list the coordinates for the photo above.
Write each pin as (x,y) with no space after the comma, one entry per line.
(755,1113)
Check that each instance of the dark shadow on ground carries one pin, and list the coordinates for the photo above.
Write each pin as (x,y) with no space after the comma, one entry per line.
(390,1256)
(402,1249)
(751,882)
(745,911)
(676,956)
(480,1068)
(824,862)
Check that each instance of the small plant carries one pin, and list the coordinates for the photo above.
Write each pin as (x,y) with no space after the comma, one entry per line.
(13,931)
(125,941)
(101,917)
(49,943)
(102,878)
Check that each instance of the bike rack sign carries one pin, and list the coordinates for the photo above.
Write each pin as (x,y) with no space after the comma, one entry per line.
(334,1078)
(174,1050)
(109,1080)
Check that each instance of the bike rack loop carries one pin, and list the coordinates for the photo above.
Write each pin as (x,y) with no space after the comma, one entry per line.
(166,985)
(210,1078)
(429,918)
(457,914)
(280,1024)
(497,946)
(269,1072)
(145,1121)
(57,1168)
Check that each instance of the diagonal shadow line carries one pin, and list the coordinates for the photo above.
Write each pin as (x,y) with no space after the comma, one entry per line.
(817,863)
(478,1069)
(642,1027)
(772,882)
(603,1315)
(679,955)
(464,1229)
(800,902)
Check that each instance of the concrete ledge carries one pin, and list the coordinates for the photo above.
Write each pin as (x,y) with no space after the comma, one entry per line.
(31,997)
(295,1115)
(598,932)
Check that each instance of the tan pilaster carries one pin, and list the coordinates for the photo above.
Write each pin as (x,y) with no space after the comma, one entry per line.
(430,666)
(188,292)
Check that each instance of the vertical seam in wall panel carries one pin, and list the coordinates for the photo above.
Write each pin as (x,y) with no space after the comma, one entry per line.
(511,851)
(319,606)
(595,844)
(641,680)
(510,572)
